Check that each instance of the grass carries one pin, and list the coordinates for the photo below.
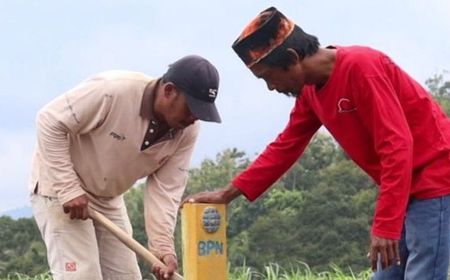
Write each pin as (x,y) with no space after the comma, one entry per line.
(270,272)
(20,276)
(300,272)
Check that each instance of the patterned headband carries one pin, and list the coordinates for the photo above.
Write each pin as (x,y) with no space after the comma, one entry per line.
(262,35)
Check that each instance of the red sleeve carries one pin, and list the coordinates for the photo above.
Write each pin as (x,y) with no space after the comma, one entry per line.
(280,154)
(381,112)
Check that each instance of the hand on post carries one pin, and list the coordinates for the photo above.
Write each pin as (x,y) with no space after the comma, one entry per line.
(221,196)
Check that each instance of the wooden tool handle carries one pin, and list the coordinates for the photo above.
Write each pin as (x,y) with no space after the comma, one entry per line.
(129,241)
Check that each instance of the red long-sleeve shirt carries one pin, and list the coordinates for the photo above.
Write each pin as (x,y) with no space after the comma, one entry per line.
(385,121)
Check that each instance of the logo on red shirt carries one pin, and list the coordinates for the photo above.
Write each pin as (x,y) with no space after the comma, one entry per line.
(345,106)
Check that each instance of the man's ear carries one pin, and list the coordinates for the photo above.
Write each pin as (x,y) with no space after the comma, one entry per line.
(169,89)
(295,58)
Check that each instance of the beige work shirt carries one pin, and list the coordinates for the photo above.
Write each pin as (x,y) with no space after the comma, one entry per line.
(90,140)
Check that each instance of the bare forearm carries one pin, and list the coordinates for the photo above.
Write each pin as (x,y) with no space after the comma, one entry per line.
(230,193)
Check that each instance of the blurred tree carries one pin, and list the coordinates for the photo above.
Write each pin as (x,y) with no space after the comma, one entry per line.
(439,86)
(21,247)
(325,223)
(321,152)
(213,174)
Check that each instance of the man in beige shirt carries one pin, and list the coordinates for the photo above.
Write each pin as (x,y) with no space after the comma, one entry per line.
(95,141)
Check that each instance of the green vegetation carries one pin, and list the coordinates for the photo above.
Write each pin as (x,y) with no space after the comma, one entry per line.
(20,276)
(270,272)
(21,247)
(318,213)
(439,86)
(298,272)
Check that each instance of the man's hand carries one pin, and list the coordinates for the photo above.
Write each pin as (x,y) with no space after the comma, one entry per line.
(171,262)
(77,207)
(222,196)
(387,249)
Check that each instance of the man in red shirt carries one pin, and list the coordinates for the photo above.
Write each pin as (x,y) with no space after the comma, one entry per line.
(386,122)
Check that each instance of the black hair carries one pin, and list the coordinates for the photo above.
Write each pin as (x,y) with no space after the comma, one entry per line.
(303,43)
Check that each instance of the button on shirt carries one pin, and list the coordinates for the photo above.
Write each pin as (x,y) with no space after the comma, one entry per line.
(156,131)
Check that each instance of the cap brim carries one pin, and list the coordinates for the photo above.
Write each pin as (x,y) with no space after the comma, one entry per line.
(202,110)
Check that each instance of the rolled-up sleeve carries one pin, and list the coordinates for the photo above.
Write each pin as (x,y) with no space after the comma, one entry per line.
(163,193)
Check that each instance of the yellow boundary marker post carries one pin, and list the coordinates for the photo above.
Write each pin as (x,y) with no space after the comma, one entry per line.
(204,241)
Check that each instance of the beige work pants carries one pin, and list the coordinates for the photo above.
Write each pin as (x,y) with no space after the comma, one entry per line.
(84,250)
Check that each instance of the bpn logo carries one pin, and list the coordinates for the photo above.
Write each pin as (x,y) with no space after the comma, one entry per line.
(211,220)
(211,223)
(208,247)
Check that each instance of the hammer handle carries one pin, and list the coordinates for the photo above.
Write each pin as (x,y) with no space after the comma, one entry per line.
(129,241)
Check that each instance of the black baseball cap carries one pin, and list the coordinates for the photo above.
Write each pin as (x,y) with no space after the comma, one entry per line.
(199,80)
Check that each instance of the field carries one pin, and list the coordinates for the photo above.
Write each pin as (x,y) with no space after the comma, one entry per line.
(271,272)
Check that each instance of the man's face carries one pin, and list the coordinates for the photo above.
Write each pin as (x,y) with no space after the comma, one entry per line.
(177,113)
(287,81)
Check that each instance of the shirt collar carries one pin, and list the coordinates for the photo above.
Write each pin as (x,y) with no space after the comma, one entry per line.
(148,99)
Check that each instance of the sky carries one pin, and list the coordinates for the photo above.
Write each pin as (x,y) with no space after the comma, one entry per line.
(47,47)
